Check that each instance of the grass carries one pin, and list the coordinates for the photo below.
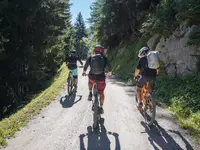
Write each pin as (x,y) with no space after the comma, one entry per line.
(9,126)
(181,95)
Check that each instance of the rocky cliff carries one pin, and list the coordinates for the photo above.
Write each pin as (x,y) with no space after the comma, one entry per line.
(177,56)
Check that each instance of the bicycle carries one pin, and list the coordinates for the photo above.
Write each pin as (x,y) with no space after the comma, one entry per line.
(70,83)
(149,105)
(97,119)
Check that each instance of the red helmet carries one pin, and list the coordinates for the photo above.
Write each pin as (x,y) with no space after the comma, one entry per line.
(99,48)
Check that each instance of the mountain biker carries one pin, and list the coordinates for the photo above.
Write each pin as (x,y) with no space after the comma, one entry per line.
(148,75)
(97,63)
(72,65)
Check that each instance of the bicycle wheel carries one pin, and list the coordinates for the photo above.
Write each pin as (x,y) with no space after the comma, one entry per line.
(95,114)
(150,111)
(96,106)
(69,84)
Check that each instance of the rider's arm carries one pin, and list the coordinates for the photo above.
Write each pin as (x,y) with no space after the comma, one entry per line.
(86,64)
(137,70)
(79,59)
(158,71)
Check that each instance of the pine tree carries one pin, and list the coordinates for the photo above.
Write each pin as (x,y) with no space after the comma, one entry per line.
(80,33)
(35,35)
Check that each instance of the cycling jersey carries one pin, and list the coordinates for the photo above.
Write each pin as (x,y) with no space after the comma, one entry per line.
(72,62)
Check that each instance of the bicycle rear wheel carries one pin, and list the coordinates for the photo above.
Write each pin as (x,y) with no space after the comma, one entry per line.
(69,84)
(150,111)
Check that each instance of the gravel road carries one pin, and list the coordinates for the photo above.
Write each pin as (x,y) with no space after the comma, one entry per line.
(66,125)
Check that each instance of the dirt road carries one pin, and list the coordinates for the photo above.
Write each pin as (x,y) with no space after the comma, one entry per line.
(66,125)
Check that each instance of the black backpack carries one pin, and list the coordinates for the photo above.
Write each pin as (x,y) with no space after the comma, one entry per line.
(97,64)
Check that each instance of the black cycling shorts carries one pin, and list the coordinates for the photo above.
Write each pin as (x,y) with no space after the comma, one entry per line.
(143,79)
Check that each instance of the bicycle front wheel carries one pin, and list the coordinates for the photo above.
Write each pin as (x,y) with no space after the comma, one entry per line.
(95,114)
(150,110)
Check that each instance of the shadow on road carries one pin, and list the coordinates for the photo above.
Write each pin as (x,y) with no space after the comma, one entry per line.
(159,136)
(98,140)
(69,100)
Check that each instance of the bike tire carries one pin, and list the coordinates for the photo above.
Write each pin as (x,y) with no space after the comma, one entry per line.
(150,119)
(69,85)
(95,114)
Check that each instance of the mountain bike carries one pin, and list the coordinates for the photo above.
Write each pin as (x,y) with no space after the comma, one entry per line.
(148,109)
(96,108)
(70,83)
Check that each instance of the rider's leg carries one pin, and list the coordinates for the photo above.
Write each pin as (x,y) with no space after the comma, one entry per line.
(75,75)
(90,85)
(101,87)
(151,85)
(140,84)
(102,99)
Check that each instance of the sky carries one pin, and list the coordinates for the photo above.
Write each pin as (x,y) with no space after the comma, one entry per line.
(82,6)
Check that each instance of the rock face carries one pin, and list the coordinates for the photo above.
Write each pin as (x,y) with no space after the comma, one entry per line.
(177,56)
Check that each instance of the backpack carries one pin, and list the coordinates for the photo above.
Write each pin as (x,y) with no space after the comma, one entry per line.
(153,60)
(97,65)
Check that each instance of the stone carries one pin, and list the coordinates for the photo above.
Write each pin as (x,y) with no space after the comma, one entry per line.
(178,57)
(153,41)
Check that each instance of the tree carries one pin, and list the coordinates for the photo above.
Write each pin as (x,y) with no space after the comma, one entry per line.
(80,33)
(113,21)
(34,37)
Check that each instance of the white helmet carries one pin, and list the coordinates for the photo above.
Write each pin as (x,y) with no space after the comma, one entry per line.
(143,49)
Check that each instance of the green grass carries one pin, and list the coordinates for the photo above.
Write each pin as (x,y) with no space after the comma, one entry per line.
(181,95)
(9,126)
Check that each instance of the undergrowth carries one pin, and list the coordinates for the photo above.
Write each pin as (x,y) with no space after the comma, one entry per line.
(169,14)
(181,95)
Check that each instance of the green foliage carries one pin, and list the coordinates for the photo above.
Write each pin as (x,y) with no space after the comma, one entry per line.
(162,20)
(189,9)
(194,37)
(35,36)
(166,17)
(181,94)
(124,60)
(10,125)
(113,21)
(79,37)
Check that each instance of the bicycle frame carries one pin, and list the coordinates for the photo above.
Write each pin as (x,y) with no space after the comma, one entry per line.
(145,91)
(151,106)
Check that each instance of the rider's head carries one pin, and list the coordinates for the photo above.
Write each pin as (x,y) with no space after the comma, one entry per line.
(143,52)
(98,49)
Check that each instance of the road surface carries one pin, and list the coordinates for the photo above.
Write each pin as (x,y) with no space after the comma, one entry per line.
(66,125)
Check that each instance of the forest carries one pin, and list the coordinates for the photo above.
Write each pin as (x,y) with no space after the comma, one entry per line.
(35,38)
